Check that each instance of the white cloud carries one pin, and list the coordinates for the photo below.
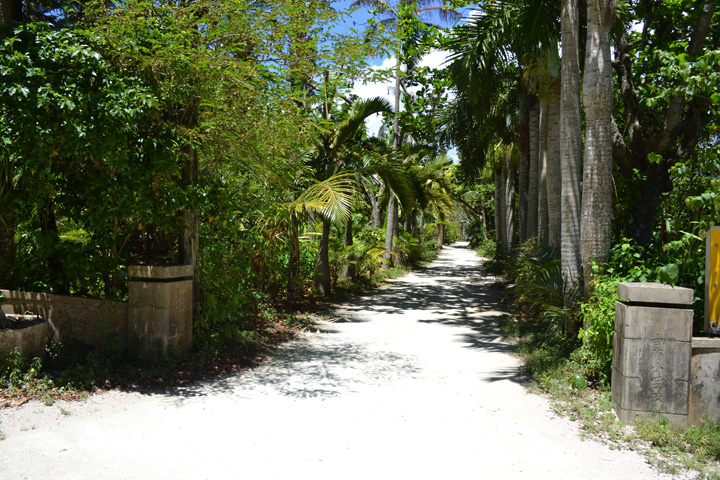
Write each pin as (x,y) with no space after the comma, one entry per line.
(434,59)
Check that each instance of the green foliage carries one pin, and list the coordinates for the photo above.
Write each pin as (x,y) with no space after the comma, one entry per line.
(90,161)
(702,441)
(538,285)
(408,249)
(16,370)
(598,316)
(366,253)
(669,273)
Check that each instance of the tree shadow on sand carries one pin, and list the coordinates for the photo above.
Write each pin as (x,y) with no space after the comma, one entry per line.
(325,365)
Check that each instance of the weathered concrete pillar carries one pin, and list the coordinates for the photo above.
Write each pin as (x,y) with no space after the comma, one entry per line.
(652,352)
(705,380)
(160,306)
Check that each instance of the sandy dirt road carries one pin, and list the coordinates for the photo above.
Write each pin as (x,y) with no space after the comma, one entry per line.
(412,382)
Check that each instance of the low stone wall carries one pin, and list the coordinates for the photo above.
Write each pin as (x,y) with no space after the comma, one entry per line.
(159,311)
(161,304)
(30,340)
(85,319)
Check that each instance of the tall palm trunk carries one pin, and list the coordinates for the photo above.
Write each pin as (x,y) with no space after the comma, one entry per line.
(597,171)
(322,263)
(294,288)
(376,217)
(392,217)
(543,123)
(348,269)
(570,148)
(499,208)
(189,235)
(554,182)
(509,200)
(524,165)
(532,199)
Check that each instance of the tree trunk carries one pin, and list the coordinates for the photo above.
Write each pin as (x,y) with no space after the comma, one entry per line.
(554,182)
(500,229)
(294,287)
(531,230)
(570,150)
(376,219)
(322,263)
(189,237)
(51,235)
(10,11)
(597,171)
(396,220)
(390,231)
(408,221)
(524,165)
(5,11)
(392,218)
(543,125)
(348,269)
(509,201)
(7,242)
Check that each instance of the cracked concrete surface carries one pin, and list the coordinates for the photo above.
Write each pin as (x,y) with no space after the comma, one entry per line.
(413,381)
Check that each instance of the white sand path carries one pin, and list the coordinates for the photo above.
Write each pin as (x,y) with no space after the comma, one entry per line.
(412,382)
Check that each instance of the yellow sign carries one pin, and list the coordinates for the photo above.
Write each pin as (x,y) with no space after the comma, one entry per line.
(712,281)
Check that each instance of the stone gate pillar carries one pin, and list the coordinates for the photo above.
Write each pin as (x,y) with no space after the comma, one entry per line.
(652,352)
(161,306)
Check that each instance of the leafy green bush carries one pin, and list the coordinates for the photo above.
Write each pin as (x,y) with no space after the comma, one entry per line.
(538,285)
(598,316)
(408,249)
(16,370)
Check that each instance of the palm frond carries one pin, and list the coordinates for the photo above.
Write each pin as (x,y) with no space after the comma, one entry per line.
(332,198)
(358,113)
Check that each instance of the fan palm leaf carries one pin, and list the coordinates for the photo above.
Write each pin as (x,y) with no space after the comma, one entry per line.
(332,198)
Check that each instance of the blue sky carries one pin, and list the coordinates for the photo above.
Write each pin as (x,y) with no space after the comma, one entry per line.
(385,89)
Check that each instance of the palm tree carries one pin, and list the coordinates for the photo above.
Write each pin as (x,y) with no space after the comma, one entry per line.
(431,190)
(531,230)
(330,157)
(492,54)
(570,148)
(554,183)
(505,196)
(396,14)
(543,133)
(378,175)
(597,168)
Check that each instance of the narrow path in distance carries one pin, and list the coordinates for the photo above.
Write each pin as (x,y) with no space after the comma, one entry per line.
(411,382)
